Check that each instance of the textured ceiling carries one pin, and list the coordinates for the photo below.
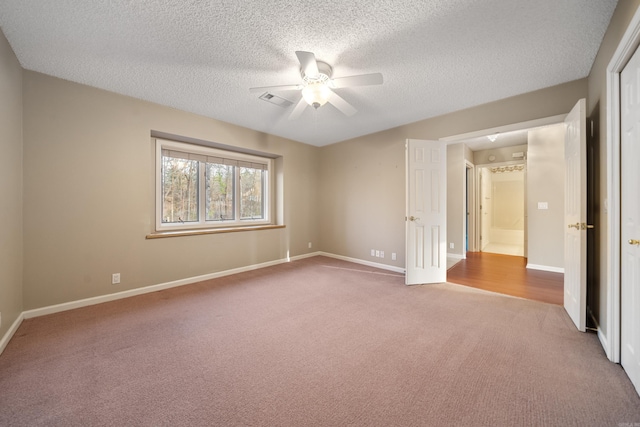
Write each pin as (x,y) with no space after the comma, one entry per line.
(436,56)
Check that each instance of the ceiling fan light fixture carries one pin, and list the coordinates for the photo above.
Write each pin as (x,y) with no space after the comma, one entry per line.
(493,137)
(316,94)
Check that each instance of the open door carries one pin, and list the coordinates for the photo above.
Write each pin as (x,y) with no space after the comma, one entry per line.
(630,220)
(426,220)
(575,208)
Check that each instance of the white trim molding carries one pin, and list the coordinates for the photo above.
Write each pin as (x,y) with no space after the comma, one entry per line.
(57,308)
(148,289)
(610,339)
(363,262)
(11,332)
(545,268)
(506,128)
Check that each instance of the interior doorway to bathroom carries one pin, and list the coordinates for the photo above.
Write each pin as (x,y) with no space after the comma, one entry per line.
(502,209)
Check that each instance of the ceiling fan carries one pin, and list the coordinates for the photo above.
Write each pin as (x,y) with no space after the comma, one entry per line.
(317,85)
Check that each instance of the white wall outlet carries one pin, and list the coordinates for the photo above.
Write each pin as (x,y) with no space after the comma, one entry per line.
(543,205)
(393,256)
(373,252)
(381,254)
(451,245)
(377,254)
(115,278)
(309,245)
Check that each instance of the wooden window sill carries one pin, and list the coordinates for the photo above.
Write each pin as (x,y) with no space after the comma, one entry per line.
(181,233)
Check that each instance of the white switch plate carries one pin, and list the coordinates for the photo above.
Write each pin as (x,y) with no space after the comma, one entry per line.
(115,278)
(451,245)
(309,245)
(543,205)
(377,254)
(393,256)
(373,252)
(381,254)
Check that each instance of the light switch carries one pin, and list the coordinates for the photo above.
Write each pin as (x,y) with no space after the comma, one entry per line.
(543,205)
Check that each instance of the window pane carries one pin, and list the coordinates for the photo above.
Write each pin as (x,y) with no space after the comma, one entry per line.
(219,192)
(251,193)
(179,190)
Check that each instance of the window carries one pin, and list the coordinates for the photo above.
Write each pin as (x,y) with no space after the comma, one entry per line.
(203,187)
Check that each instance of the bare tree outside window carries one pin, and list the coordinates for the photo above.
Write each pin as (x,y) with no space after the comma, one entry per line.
(251,193)
(202,187)
(219,192)
(179,190)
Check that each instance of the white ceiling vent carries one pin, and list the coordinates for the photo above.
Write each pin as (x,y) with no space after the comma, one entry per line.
(275,99)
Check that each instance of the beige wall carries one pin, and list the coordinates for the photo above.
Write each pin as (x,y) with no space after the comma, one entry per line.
(88,183)
(500,155)
(10,186)
(545,183)
(363,179)
(362,203)
(89,195)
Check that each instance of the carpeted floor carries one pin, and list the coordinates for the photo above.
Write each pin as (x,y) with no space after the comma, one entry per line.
(316,342)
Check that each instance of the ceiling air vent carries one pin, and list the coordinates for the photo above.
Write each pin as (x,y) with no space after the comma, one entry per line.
(275,99)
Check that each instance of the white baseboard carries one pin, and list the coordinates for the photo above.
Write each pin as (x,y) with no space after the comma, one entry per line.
(545,268)
(363,262)
(604,342)
(148,289)
(456,256)
(28,314)
(12,330)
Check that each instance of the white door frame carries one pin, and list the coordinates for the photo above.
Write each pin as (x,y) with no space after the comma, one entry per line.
(470,205)
(627,46)
(478,202)
(454,139)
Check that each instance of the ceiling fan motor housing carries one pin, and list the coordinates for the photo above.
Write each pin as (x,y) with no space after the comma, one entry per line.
(324,73)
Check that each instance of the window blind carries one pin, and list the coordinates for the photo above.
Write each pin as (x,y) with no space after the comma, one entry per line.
(210,159)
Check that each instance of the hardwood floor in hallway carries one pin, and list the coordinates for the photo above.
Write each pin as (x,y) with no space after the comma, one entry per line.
(508,275)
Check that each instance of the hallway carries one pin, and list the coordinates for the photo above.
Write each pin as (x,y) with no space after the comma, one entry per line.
(507,275)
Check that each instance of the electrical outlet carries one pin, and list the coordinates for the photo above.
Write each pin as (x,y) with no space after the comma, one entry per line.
(451,245)
(381,254)
(115,278)
(309,245)
(373,252)
(377,254)
(393,256)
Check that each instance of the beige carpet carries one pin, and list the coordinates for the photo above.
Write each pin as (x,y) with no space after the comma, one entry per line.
(316,342)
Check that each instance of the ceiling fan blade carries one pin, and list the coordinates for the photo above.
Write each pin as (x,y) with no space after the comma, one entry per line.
(308,63)
(298,109)
(275,88)
(342,105)
(359,80)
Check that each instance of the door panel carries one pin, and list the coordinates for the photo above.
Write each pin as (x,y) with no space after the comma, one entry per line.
(630,220)
(426,220)
(575,208)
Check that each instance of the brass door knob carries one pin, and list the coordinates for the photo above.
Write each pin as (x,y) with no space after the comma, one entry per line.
(634,242)
(413,218)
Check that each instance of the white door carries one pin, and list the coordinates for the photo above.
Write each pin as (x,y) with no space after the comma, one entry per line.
(426,220)
(575,213)
(630,220)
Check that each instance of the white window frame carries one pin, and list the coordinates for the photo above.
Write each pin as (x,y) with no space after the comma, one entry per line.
(162,144)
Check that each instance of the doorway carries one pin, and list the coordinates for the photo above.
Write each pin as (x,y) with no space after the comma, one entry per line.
(501,209)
